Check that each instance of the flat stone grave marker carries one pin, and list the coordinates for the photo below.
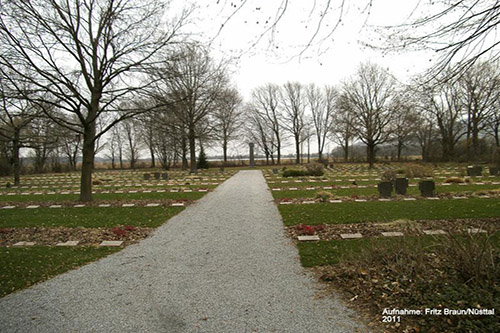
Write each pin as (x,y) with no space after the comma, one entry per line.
(458,197)
(409,199)
(68,243)
(292,189)
(327,188)
(286,202)
(392,234)
(202,190)
(475,231)
(307,202)
(32,206)
(111,243)
(152,205)
(178,204)
(432,198)
(384,199)
(104,205)
(276,189)
(360,200)
(132,191)
(55,206)
(484,196)
(335,201)
(24,244)
(128,205)
(308,238)
(435,232)
(146,191)
(188,190)
(79,206)
(351,236)
(310,188)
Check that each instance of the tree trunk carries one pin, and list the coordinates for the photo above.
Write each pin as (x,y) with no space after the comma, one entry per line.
(88,152)
(346,150)
(297,150)
(152,152)
(370,154)
(192,150)
(278,149)
(224,151)
(184,153)
(120,157)
(15,157)
(400,148)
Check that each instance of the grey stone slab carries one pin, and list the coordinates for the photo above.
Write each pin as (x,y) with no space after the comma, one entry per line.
(68,243)
(32,206)
(384,199)
(409,199)
(178,204)
(335,201)
(153,205)
(432,198)
(55,206)
(104,205)
(392,234)
(128,205)
(360,200)
(79,206)
(8,207)
(286,202)
(435,232)
(24,244)
(308,238)
(475,231)
(308,202)
(111,243)
(351,236)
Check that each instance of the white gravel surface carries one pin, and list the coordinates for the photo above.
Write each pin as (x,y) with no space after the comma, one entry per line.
(222,265)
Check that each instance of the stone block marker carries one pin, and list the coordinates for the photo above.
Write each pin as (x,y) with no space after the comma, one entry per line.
(435,232)
(32,206)
(128,205)
(392,234)
(55,206)
(24,244)
(351,236)
(79,206)
(153,205)
(335,201)
(8,207)
(68,243)
(475,231)
(111,243)
(178,204)
(104,205)
(308,238)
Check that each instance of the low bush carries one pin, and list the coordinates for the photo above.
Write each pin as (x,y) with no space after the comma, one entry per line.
(315,169)
(418,171)
(456,180)
(388,176)
(324,196)
(455,272)
(294,173)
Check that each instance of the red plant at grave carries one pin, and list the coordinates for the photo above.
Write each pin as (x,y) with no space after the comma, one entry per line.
(119,231)
(307,229)
(129,227)
(4,231)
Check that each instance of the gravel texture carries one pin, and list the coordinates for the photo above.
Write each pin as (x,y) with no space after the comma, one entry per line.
(222,265)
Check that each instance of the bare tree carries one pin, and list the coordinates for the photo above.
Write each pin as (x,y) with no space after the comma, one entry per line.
(194,82)
(462,32)
(259,133)
(293,100)
(16,115)
(44,141)
(368,96)
(404,122)
(228,117)
(265,100)
(480,96)
(132,136)
(321,104)
(87,56)
(343,130)
(444,102)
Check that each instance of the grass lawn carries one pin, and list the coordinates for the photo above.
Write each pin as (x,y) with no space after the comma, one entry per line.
(413,191)
(375,211)
(104,196)
(88,217)
(23,267)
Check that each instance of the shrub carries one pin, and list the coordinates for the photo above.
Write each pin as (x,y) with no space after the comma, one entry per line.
(418,171)
(294,173)
(324,196)
(315,169)
(388,176)
(202,160)
(456,180)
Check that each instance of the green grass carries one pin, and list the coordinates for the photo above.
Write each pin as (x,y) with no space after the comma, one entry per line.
(23,267)
(413,191)
(88,217)
(376,211)
(334,251)
(103,196)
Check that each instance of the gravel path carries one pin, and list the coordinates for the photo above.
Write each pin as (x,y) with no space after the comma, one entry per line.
(222,265)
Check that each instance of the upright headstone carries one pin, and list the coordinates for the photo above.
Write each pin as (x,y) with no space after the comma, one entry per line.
(493,171)
(275,171)
(401,184)
(427,188)
(474,171)
(164,176)
(252,160)
(157,175)
(385,189)
(147,176)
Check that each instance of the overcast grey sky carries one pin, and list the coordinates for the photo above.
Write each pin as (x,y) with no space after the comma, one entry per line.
(281,54)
